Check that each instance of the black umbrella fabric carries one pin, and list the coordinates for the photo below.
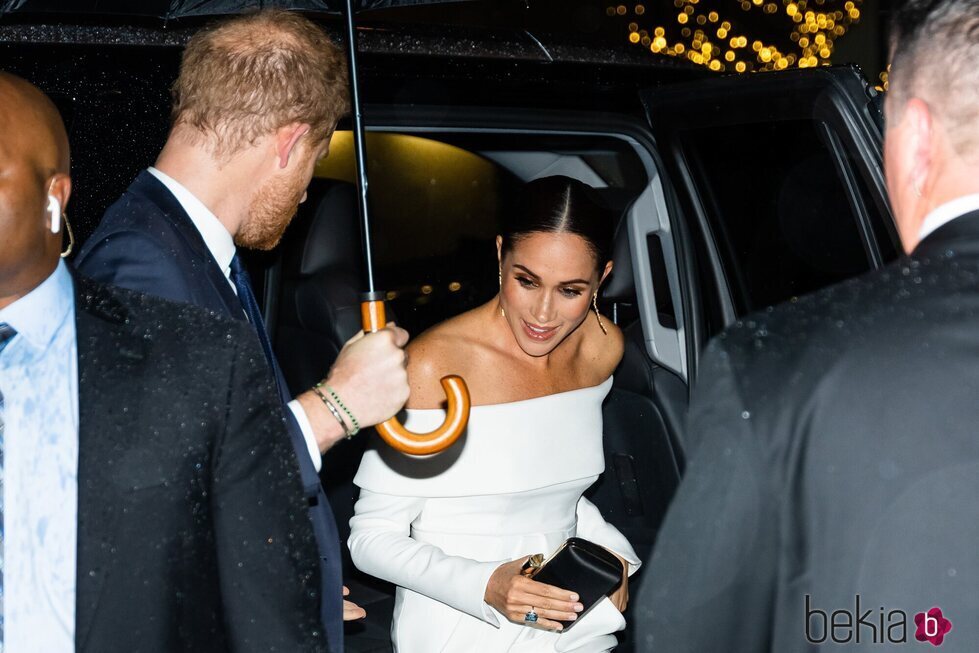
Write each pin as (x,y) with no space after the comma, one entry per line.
(170,9)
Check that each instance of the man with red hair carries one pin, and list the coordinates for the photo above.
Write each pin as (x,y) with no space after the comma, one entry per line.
(255,105)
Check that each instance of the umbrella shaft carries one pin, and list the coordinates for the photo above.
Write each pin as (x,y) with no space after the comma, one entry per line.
(360,151)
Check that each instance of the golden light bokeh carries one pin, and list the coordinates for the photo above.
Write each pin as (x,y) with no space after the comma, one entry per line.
(813,27)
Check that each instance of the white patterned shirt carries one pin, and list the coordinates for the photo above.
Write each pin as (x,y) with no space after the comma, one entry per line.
(39,381)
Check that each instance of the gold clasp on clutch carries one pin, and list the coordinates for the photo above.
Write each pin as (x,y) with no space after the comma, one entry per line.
(533,563)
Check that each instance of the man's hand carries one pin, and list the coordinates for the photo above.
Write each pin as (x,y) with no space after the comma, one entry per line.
(371,376)
(351,611)
(371,379)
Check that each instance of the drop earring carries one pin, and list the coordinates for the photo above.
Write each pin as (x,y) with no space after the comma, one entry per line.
(594,303)
(502,312)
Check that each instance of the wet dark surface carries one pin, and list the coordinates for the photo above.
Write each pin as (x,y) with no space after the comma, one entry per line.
(112,84)
(115,103)
(852,408)
(176,8)
(183,484)
(374,38)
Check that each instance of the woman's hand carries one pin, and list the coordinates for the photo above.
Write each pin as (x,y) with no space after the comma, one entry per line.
(620,597)
(514,595)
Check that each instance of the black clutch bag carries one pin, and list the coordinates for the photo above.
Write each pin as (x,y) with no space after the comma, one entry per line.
(579,566)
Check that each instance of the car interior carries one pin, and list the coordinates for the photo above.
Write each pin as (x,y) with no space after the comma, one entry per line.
(436,200)
(680,274)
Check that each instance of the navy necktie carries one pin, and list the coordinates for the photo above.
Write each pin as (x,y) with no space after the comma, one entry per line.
(6,334)
(239,277)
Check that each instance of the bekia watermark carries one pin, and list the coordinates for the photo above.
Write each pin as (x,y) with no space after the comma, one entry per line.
(932,626)
(876,626)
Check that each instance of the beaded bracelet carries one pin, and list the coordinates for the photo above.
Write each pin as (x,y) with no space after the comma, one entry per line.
(343,407)
(333,411)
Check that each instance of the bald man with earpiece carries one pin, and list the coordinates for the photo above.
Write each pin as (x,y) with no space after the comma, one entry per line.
(149,495)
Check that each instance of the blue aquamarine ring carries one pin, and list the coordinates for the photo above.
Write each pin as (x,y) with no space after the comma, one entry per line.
(530,617)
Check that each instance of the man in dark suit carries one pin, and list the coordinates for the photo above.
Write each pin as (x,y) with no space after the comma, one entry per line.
(256,103)
(832,496)
(150,498)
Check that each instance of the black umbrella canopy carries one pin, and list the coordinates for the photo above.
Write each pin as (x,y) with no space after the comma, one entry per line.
(170,9)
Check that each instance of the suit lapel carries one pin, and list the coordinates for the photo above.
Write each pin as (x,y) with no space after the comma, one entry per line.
(110,357)
(154,191)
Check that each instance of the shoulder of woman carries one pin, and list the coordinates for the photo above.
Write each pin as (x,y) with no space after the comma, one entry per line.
(435,353)
(605,348)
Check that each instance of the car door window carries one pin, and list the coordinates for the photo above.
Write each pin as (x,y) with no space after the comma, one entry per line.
(780,175)
(781,217)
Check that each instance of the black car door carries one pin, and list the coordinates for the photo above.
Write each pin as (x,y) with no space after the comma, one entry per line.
(779,177)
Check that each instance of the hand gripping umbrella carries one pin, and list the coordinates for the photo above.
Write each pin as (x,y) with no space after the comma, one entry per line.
(372,307)
(372,304)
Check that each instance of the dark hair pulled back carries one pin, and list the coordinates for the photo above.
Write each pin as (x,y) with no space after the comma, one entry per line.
(561,204)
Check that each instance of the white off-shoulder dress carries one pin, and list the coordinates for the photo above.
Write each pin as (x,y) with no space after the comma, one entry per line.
(438,526)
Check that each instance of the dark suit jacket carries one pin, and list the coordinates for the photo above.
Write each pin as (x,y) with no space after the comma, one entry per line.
(836,456)
(147,242)
(192,533)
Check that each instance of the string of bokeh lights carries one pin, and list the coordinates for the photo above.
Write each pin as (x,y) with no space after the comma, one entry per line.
(708,38)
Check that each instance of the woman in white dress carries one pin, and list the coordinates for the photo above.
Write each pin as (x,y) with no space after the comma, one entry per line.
(453,530)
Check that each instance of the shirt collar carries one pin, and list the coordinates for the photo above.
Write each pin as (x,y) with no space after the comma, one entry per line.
(216,237)
(948,212)
(38,315)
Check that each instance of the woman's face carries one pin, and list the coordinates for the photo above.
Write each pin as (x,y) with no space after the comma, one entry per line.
(548,280)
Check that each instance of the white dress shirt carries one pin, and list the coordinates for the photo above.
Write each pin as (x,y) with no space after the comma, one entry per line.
(219,242)
(39,381)
(948,212)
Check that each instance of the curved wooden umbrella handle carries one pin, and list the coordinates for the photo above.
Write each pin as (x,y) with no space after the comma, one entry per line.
(457,393)
(396,435)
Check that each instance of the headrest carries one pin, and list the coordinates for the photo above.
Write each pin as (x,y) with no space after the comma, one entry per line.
(621,284)
(323,261)
(333,239)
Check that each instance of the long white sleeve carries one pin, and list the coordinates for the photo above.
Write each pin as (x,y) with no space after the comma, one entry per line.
(593,527)
(380,545)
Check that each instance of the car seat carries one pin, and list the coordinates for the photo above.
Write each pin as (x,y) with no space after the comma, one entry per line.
(643,419)
(322,276)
